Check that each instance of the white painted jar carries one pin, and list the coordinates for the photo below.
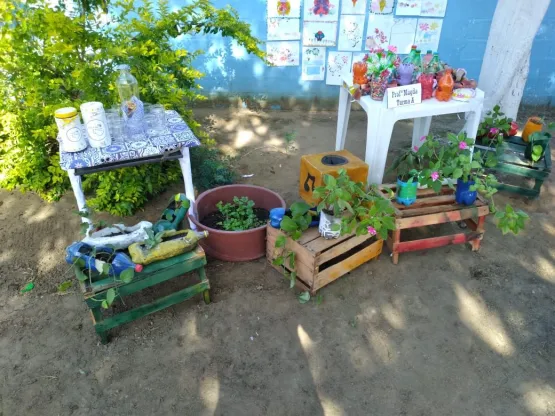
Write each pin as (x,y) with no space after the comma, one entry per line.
(96,124)
(70,130)
(326,223)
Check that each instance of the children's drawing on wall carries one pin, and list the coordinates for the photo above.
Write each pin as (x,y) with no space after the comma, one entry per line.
(319,33)
(379,31)
(382,6)
(428,33)
(402,34)
(326,10)
(313,64)
(339,66)
(283,28)
(283,53)
(351,29)
(353,7)
(433,8)
(284,8)
(408,7)
(358,57)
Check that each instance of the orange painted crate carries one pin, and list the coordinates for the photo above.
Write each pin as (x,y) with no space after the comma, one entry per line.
(319,261)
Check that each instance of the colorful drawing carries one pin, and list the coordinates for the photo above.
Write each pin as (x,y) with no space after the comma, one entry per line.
(353,7)
(433,8)
(428,34)
(379,31)
(314,64)
(284,8)
(382,6)
(325,10)
(402,34)
(283,53)
(338,67)
(408,7)
(284,28)
(351,29)
(319,33)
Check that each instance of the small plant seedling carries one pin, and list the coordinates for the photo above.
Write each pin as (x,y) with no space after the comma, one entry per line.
(64,286)
(289,139)
(239,215)
(153,239)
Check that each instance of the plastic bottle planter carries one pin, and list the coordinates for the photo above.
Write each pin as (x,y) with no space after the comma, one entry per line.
(405,73)
(534,124)
(427,81)
(118,236)
(326,222)
(541,139)
(463,194)
(377,88)
(119,262)
(406,192)
(174,214)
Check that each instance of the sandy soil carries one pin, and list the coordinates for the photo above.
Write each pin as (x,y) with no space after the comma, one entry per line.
(445,332)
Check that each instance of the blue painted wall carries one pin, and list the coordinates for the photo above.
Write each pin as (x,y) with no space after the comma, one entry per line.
(230,71)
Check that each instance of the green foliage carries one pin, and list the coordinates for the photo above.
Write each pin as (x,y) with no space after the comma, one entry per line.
(407,166)
(210,168)
(495,119)
(239,215)
(153,239)
(511,220)
(289,139)
(64,286)
(538,143)
(50,60)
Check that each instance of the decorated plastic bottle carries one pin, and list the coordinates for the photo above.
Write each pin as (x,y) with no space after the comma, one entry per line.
(435,65)
(131,106)
(359,73)
(426,61)
(445,86)
(409,59)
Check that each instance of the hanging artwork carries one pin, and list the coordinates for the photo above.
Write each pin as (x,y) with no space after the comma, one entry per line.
(351,30)
(319,33)
(358,57)
(284,28)
(402,34)
(428,33)
(339,66)
(314,64)
(325,10)
(433,8)
(353,7)
(283,53)
(379,31)
(408,7)
(284,8)
(382,6)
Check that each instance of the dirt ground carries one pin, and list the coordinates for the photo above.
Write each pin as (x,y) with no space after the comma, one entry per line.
(445,332)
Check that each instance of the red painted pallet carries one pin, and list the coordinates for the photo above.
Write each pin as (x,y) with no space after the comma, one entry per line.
(432,208)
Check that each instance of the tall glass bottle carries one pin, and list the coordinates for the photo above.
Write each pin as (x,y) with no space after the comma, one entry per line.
(131,106)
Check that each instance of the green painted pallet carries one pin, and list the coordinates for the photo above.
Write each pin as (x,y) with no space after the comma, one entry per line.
(512,161)
(94,292)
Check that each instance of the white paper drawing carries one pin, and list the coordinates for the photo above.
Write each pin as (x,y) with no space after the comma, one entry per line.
(319,33)
(338,66)
(402,34)
(325,10)
(313,63)
(283,53)
(433,8)
(353,7)
(408,7)
(284,28)
(382,6)
(428,33)
(351,30)
(284,8)
(379,31)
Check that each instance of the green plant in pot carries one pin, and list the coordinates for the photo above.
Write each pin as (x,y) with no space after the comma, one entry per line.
(174,214)
(537,144)
(496,126)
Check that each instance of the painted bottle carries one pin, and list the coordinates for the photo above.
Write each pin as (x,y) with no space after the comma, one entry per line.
(410,57)
(359,73)
(435,65)
(96,124)
(426,61)
(445,86)
(533,125)
(70,130)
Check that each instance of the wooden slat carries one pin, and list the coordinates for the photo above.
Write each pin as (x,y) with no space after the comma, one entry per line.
(434,242)
(471,224)
(300,284)
(531,193)
(421,193)
(303,271)
(347,265)
(309,235)
(341,248)
(441,200)
(521,171)
(430,210)
(302,255)
(441,217)
(321,244)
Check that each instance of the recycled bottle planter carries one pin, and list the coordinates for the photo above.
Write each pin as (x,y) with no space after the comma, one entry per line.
(427,81)
(359,73)
(533,125)
(377,88)
(537,139)
(325,226)
(174,218)
(463,194)
(405,73)
(406,192)
(445,86)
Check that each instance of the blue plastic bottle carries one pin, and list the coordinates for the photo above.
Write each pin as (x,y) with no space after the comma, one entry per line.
(119,262)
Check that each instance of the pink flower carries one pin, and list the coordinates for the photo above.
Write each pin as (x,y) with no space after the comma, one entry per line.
(423,138)
(463,145)
(415,148)
(494,130)
(392,48)
(434,176)
(385,73)
(371,230)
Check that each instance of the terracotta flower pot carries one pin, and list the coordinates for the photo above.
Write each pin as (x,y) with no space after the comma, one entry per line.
(235,245)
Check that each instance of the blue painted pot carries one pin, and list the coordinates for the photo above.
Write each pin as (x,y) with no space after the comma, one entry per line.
(463,194)
(406,192)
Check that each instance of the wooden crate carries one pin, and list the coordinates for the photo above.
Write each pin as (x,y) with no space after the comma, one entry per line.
(431,208)
(320,261)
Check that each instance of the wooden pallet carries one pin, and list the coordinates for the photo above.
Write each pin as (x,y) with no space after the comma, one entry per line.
(431,208)
(319,261)
(513,162)
(94,292)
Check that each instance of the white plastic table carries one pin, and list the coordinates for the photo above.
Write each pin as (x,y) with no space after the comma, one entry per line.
(381,121)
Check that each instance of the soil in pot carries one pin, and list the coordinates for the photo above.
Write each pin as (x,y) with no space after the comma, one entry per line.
(213,219)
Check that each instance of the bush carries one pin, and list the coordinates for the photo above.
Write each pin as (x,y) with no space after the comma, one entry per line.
(50,60)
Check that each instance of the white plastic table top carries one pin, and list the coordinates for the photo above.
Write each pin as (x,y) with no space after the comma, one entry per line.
(381,121)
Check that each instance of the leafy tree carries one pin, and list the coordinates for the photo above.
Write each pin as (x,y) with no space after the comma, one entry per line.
(50,60)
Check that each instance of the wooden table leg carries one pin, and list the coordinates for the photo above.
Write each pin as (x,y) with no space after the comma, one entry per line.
(537,188)
(205,293)
(481,229)
(97,317)
(396,240)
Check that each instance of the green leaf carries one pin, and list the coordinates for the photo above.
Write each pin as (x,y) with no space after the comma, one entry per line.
(457,173)
(110,295)
(293,280)
(335,227)
(304,297)
(330,181)
(292,257)
(299,208)
(105,304)
(278,261)
(80,275)
(280,241)
(27,288)
(127,275)
(288,225)
(105,269)
(64,286)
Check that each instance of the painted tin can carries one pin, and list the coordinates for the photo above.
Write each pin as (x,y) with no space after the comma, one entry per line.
(96,124)
(70,130)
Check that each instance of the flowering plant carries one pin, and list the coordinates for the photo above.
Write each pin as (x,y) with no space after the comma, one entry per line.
(381,63)
(496,125)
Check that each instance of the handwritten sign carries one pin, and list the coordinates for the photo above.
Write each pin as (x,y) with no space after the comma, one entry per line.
(405,95)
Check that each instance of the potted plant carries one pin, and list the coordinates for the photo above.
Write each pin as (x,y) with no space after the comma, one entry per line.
(173,216)
(235,217)
(496,126)
(381,65)
(537,144)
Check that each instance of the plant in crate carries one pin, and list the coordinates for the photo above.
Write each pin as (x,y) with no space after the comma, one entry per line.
(496,126)
(537,143)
